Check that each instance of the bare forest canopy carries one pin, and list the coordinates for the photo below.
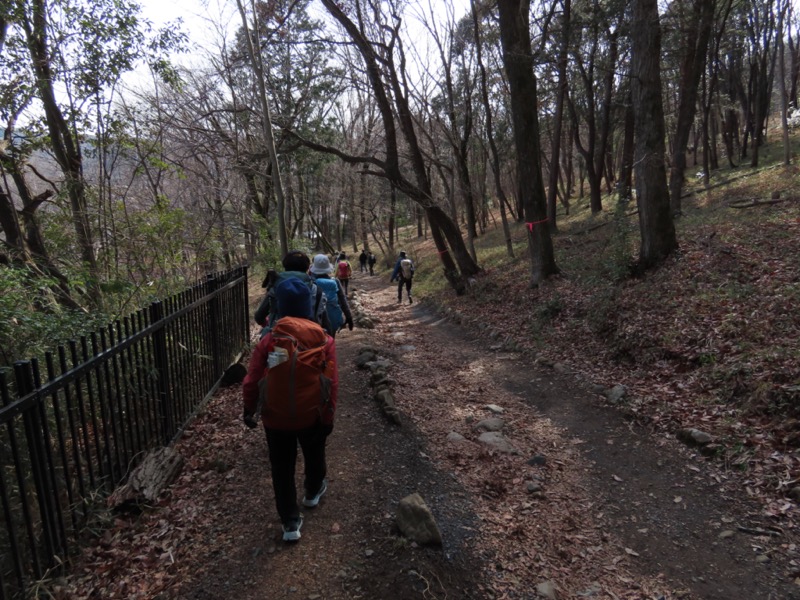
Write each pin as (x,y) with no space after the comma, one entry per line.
(329,126)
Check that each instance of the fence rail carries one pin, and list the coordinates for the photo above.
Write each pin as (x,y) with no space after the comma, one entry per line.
(71,434)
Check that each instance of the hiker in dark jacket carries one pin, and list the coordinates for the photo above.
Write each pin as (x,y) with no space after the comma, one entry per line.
(337,307)
(362,261)
(295,264)
(404,273)
(294,301)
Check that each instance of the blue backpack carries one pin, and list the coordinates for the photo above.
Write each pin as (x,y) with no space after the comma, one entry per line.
(318,301)
(330,287)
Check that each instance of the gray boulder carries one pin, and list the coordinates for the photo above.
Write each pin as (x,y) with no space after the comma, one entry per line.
(416,522)
(496,440)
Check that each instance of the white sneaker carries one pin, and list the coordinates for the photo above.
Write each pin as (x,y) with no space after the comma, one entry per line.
(314,501)
(291,529)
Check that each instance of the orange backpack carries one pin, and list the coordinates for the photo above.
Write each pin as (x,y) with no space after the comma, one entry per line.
(295,391)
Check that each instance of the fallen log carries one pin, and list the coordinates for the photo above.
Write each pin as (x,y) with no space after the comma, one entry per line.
(759,202)
(157,470)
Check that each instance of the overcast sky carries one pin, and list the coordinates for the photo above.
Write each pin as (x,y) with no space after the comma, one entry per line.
(205,21)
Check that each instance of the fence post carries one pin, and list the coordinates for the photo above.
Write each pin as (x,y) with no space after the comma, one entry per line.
(161,364)
(212,283)
(245,307)
(34,435)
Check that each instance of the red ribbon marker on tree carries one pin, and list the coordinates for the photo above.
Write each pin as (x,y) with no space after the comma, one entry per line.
(530,225)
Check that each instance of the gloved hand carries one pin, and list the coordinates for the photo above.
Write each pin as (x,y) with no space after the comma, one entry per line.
(349,324)
(250,420)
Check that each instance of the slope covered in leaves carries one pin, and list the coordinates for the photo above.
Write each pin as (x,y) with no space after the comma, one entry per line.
(709,340)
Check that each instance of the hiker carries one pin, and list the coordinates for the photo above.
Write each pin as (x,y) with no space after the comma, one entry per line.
(372,260)
(337,307)
(403,272)
(362,261)
(292,382)
(343,272)
(295,264)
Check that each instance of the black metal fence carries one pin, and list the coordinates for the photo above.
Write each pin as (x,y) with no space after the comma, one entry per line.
(72,429)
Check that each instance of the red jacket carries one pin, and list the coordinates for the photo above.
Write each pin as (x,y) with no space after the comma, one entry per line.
(257,369)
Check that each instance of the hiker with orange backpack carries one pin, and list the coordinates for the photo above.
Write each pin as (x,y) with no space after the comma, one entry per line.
(292,383)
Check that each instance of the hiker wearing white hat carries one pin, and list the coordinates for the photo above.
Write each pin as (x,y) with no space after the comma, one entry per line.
(337,307)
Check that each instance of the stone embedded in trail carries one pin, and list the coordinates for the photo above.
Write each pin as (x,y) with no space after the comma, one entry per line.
(364,357)
(694,437)
(375,365)
(726,534)
(495,409)
(592,590)
(455,437)
(534,486)
(538,461)
(794,493)
(416,522)
(547,590)
(490,424)
(496,440)
(406,348)
(616,394)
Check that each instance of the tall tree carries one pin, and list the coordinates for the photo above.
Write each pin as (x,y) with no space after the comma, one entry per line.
(652,196)
(695,33)
(396,116)
(490,135)
(558,115)
(518,62)
(256,61)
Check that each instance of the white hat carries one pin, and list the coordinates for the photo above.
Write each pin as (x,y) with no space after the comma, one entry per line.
(321,265)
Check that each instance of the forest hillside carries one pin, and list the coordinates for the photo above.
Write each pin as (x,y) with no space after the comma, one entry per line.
(709,341)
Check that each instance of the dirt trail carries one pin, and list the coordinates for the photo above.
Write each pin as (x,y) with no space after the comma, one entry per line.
(589,507)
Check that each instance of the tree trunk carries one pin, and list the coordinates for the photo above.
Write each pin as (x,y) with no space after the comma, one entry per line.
(253,50)
(518,62)
(652,196)
(420,191)
(488,116)
(558,117)
(698,34)
(787,150)
(626,167)
(66,148)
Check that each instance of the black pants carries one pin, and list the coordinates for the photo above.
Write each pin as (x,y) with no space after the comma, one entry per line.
(371,267)
(363,266)
(283,458)
(400,282)
(345,285)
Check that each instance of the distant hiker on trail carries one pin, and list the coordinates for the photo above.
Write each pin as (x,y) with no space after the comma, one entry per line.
(343,272)
(404,273)
(296,265)
(372,260)
(337,307)
(292,382)
(362,261)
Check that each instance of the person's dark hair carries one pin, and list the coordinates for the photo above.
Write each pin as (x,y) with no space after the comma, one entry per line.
(295,260)
(342,256)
